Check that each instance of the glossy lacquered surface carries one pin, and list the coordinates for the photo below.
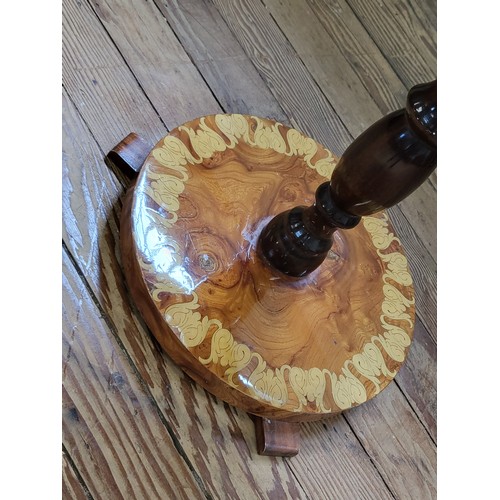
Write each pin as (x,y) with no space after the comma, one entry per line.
(380,168)
(275,347)
(391,158)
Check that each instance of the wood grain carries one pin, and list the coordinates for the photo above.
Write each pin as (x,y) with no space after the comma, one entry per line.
(97,78)
(252,25)
(426,12)
(276,438)
(157,60)
(400,36)
(129,155)
(219,439)
(274,347)
(284,72)
(230,74)
(72,488)
(404,452)
(319,27)
(418,378)
(88,196)
(426,225)
(110,427)
(424,272)
(349,68)
(420,209)
(332,71)
(348,35)
(328,450)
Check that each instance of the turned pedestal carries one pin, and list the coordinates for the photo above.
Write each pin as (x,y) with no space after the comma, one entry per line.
(289,301)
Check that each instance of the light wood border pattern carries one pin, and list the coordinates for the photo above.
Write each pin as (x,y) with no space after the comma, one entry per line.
(249,380)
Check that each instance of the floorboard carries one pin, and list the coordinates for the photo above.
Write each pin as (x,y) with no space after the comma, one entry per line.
(116,439)
(284,72)
(417,379)
(400,36)
(230,74)
(134,425)
(99,82)
(161,66)
(357,46)
(72,487)
(402,450)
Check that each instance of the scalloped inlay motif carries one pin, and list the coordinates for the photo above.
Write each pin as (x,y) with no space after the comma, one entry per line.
(274,385)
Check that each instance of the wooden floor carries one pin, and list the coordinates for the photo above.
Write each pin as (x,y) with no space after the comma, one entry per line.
(134,426)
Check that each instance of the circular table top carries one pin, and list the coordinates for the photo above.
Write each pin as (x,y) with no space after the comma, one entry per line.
(297,349)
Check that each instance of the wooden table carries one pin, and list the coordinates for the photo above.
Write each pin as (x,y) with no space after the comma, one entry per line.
(133,425)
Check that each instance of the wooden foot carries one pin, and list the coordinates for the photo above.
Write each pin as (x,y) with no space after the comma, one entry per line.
(129,154)
(276,438)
